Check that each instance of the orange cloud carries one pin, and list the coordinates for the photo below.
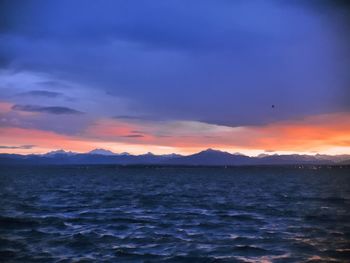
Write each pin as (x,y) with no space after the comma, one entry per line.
(45,141)
(42,139)
(115,130)
(5,107)
(328,133)
(314,133)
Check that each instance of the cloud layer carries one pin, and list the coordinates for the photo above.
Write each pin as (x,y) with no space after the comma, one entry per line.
(180,67)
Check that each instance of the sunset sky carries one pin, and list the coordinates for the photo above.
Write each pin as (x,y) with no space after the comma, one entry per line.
(167,76)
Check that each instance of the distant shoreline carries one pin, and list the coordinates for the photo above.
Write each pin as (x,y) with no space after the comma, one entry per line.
(205,158)
(165,166)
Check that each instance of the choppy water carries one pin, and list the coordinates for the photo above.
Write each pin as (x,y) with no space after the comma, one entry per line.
(111,214)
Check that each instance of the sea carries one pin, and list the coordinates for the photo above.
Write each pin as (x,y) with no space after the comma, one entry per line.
(174,214)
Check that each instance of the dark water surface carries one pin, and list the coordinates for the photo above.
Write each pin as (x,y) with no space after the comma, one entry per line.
(140,214)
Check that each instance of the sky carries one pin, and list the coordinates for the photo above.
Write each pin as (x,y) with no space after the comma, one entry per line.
(179,76)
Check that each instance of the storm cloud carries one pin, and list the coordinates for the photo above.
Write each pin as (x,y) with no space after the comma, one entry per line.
(220,62)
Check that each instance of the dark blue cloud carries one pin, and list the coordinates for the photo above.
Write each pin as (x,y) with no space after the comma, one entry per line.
(222,62)
(42,93)
(133,136)
(29,146)
(45,109)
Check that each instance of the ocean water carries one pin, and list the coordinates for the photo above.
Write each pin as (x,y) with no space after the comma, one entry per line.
(168,214)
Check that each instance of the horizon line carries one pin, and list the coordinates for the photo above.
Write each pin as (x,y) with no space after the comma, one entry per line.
(266,153)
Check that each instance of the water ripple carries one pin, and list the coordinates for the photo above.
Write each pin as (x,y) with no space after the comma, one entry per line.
(67,214)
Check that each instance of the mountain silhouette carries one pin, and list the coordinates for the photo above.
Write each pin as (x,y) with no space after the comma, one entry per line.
(207,157)
(102,152)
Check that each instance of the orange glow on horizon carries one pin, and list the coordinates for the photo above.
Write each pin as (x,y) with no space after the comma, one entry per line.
(327,133)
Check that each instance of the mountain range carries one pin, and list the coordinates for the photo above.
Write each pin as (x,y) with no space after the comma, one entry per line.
(208,157)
